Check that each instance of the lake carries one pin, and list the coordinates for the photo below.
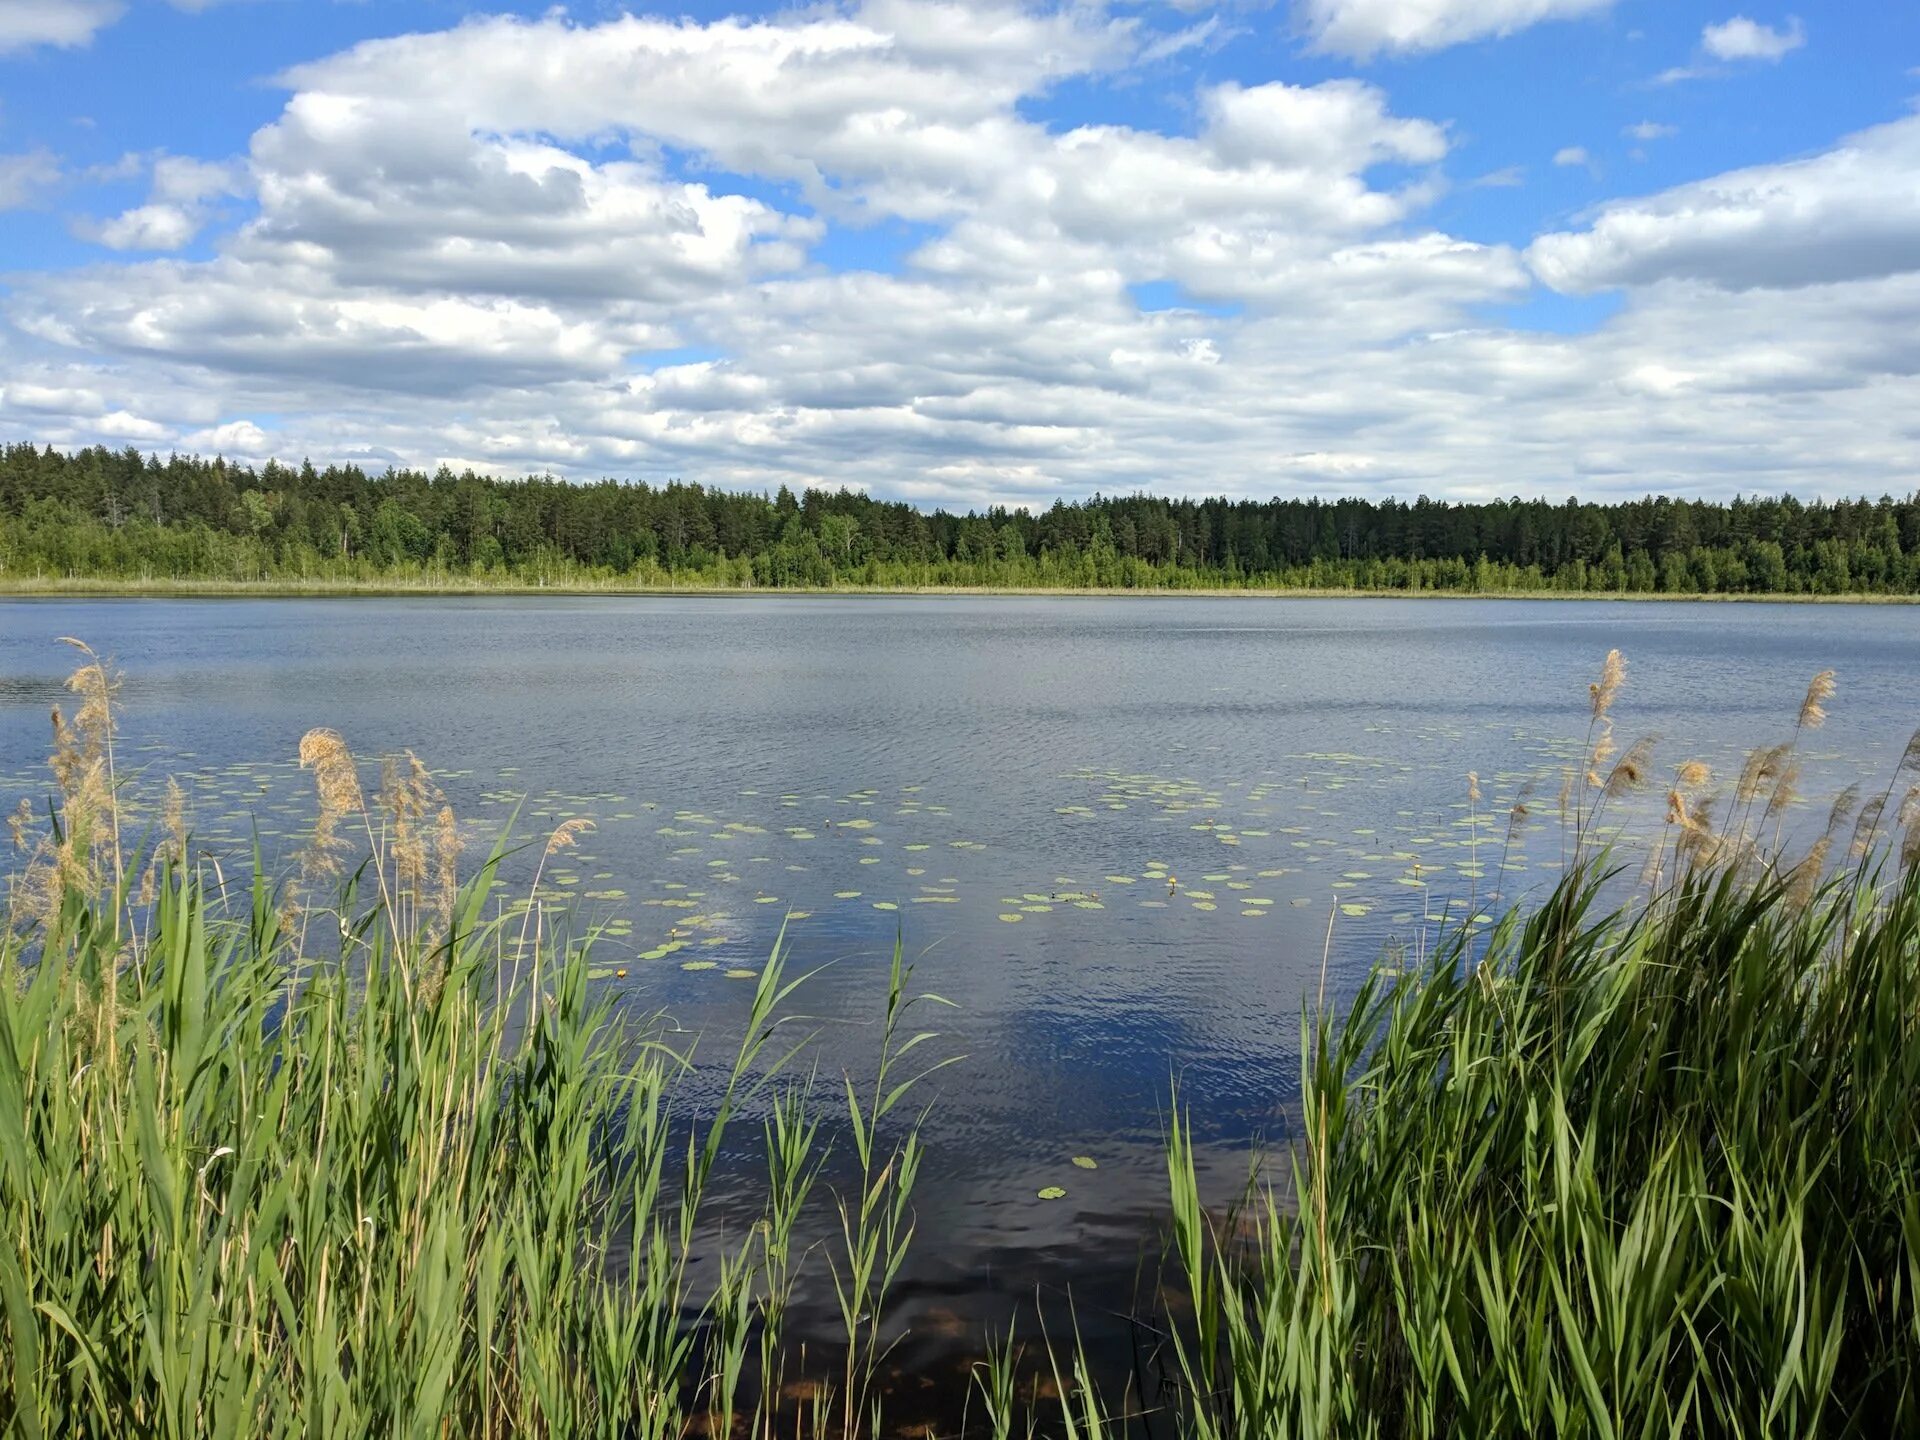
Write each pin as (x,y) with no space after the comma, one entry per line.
(1122,835)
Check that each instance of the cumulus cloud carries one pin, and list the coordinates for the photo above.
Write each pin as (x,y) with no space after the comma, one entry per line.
(179,205)
(1744,39)
(1735,40)
(1850,213)
(27,23)
(1362,29)
(594,248)
(25,177)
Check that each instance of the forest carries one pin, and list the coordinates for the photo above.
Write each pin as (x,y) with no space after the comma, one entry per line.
(123,516)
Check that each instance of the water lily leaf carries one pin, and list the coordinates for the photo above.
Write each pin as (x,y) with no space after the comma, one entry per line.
(1085,1162)
(1053,1192)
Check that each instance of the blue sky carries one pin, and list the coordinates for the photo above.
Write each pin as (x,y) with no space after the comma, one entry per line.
(975,252)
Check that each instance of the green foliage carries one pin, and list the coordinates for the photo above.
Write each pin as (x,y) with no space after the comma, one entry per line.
(402,1192)
(120,515)
(1644,1174)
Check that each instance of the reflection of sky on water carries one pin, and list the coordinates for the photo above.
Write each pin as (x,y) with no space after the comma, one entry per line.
(1060,761)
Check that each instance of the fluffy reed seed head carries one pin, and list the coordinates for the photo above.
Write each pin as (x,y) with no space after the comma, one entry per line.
(1865,825)
(565,835)
(1473,786)
(1603,751)
(1813,709)
(18,822)
(1842,808)
(1762,765)
(97,686)
(173,819)
(407,793)
(1630,773)
(1910,757)
(1689,779)
(336,781)
(1805,880)
(1697,845)
(447,845)
(1786,787)
(1613,674)
(1910,823)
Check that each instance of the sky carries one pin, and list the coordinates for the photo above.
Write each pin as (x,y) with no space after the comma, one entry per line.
(974,252)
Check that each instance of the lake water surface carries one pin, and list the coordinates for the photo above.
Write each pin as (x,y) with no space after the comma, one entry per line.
(1010,785)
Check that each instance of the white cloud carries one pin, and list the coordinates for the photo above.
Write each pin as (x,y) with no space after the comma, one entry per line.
(25,177)
(1850,213)
(147,227)
(1736,40)
(1570,155)
(1650,130)
(1744,39)
(454,256)
(1365,28)
(241,439)
(1175,42)
(179,205)
(27,23)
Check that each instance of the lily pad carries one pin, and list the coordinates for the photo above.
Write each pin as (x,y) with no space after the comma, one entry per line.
(1053,1192)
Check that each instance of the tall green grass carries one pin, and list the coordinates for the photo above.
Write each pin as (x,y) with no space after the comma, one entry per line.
(1640,1172)
(385,1165)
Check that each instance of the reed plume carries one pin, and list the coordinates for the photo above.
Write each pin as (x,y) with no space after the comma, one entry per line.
(173,821)
(1812,710)
(447,847)
(1697,845)
(1631,771)
(566,835)
(1866,826)
(337,785)
(1842,808)
(1804,881)
(1910,822)
(1613,674)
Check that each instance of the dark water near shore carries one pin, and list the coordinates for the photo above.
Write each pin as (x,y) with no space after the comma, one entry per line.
(1008,784)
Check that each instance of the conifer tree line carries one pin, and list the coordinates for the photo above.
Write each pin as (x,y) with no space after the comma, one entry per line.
(106,514)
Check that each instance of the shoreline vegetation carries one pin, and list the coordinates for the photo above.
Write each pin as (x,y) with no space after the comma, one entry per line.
(15,587)
(360,1150)
(103,521)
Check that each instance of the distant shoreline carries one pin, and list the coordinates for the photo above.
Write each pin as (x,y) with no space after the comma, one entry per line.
(27,588)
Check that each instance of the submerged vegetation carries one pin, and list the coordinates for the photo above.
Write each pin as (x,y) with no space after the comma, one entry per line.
(101,515)
(362,1152)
